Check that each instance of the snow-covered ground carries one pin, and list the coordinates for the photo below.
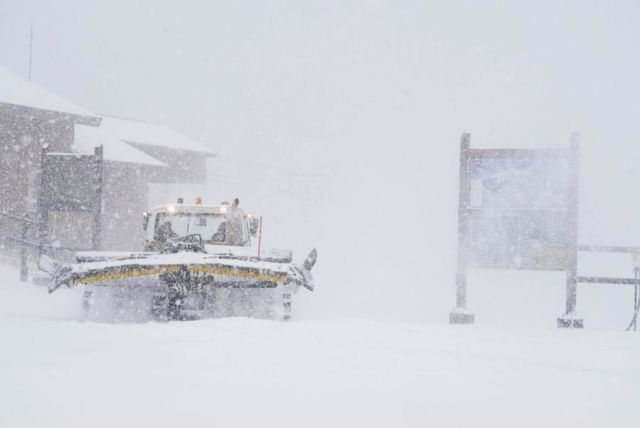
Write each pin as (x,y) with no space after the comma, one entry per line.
(58,372)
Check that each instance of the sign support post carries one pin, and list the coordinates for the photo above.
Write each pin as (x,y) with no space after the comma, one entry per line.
(569,319)
(460,314)
(97,200)
(42,208)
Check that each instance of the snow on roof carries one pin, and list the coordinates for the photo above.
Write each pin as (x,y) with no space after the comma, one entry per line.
(139,132)
(15,89)
(87,138)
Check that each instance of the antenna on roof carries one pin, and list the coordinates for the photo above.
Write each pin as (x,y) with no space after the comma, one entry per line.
(30,47)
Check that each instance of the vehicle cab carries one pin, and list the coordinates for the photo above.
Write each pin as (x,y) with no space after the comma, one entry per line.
(224,224)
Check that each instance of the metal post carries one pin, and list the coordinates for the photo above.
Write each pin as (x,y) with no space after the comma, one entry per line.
(260,237)
(460,315)
(636,275)
(30,48)
(636,303)
(24,269)
(569,320)
(97,201)
(43,209)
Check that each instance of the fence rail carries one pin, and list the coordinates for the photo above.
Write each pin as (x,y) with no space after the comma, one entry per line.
(635,281)
(608,249)
(633,251)
(607,280)
(22,222)
(34,246)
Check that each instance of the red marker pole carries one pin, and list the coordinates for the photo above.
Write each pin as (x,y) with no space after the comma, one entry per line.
(259,236)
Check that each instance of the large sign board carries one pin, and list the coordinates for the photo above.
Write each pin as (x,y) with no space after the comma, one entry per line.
(517,209)
(70,199)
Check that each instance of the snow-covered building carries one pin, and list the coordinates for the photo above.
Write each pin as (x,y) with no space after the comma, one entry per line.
(30,118)
(135,154)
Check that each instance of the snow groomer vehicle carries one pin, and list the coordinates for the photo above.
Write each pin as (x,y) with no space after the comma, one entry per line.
(199,261)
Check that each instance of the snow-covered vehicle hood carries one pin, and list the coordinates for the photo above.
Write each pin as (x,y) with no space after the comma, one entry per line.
(227,251)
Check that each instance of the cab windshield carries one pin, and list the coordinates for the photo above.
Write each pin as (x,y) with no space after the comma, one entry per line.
(210,227)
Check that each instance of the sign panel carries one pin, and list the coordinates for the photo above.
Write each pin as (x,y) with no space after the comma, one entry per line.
(517,213)
(509,184)
(70,182)
(534,240)
(70,199)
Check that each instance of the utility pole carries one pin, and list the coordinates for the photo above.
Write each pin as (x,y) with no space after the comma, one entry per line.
(30,47)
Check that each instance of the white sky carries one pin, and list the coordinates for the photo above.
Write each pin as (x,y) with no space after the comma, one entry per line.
(288,72)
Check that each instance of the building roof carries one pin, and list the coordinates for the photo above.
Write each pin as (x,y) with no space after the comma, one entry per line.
(113,133)
(138,132)
(87,138)
(15,89)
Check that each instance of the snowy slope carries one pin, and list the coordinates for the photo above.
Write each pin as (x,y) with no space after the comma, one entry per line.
(57,372)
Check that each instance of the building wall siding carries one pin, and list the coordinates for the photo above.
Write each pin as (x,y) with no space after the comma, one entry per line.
(23,133)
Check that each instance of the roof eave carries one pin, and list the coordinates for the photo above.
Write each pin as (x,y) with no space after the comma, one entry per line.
(87,120)
(77,118)
(160,165)
(200,152)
